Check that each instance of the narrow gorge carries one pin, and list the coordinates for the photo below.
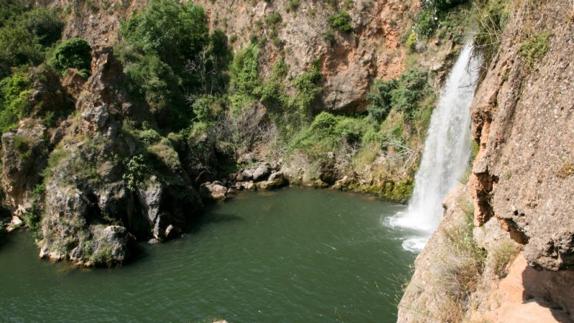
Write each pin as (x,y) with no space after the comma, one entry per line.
(287,161)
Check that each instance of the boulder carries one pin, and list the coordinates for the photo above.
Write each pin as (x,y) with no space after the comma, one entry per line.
(261,172)
(110,244)
(214,191)
(172,232)
(343,183)
(245,175)
(245,186)
(276,180)
(14,224)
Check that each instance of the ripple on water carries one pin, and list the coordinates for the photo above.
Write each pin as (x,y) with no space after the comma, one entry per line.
(290,256)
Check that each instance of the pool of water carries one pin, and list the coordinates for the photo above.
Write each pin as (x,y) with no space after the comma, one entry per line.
(287,256)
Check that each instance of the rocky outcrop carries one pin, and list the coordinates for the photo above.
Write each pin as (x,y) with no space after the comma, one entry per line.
(98,195)
(521,183)
(524,122)
(215,191)
(24,154)
(262,177)
(25,149)
(350,61)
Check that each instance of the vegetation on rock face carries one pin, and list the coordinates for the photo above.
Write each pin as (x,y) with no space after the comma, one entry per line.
(535,47)
(200,110)
(341,21)
(25,35)
(462,270)
(490,17)
(434,13)
(171,58)
(14,100)
(72,53)
(244,77)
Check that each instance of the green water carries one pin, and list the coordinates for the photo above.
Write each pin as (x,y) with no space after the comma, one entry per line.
(287,256)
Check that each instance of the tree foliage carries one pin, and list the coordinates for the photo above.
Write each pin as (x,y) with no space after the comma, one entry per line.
(172,59)
(72,53)
(26,35)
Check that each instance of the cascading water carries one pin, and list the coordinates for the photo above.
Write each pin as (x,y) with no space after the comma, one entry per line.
(446,152)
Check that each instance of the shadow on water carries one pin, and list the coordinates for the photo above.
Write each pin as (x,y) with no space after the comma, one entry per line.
(3,239)
(210,215)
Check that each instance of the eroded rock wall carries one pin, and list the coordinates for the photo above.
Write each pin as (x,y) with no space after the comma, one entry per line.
(522,180)
(350,60)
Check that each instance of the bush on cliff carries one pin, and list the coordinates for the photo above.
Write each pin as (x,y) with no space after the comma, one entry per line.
(341,21)
(244,77)
(403,94)
(14,100)
(433,14)
(25,35)
(171,59)
(72,53)
(490,16)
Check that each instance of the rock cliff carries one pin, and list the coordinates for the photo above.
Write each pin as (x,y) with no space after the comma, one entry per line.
(521,182)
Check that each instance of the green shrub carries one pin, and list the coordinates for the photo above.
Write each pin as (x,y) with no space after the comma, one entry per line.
(409,91)
(135,173)
(14,100)
(152,78)
(274,18)
(411,41)
(309,86)
(72,53)
(272,91)
(25,35)
(170,59)
(403,94)
(447,4)
(44,24)
(380,99)
(433,14)
(18,47)
(491,17)
(33,216)
(327,132)
(535,48)
(341,21)
(244,77)
(244,71)
(174,31)
(426,22)
(207,108)
(9,10)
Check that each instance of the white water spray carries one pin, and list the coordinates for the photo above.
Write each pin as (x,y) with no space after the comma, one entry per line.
(446,152)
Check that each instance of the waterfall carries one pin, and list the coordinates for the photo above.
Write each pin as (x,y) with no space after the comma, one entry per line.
(446,153)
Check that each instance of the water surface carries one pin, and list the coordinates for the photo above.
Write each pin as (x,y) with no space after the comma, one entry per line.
(287,256)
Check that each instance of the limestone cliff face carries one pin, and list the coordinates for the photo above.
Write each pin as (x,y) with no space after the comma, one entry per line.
(522,181)
(372,50)
(350,60)
(524,121)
